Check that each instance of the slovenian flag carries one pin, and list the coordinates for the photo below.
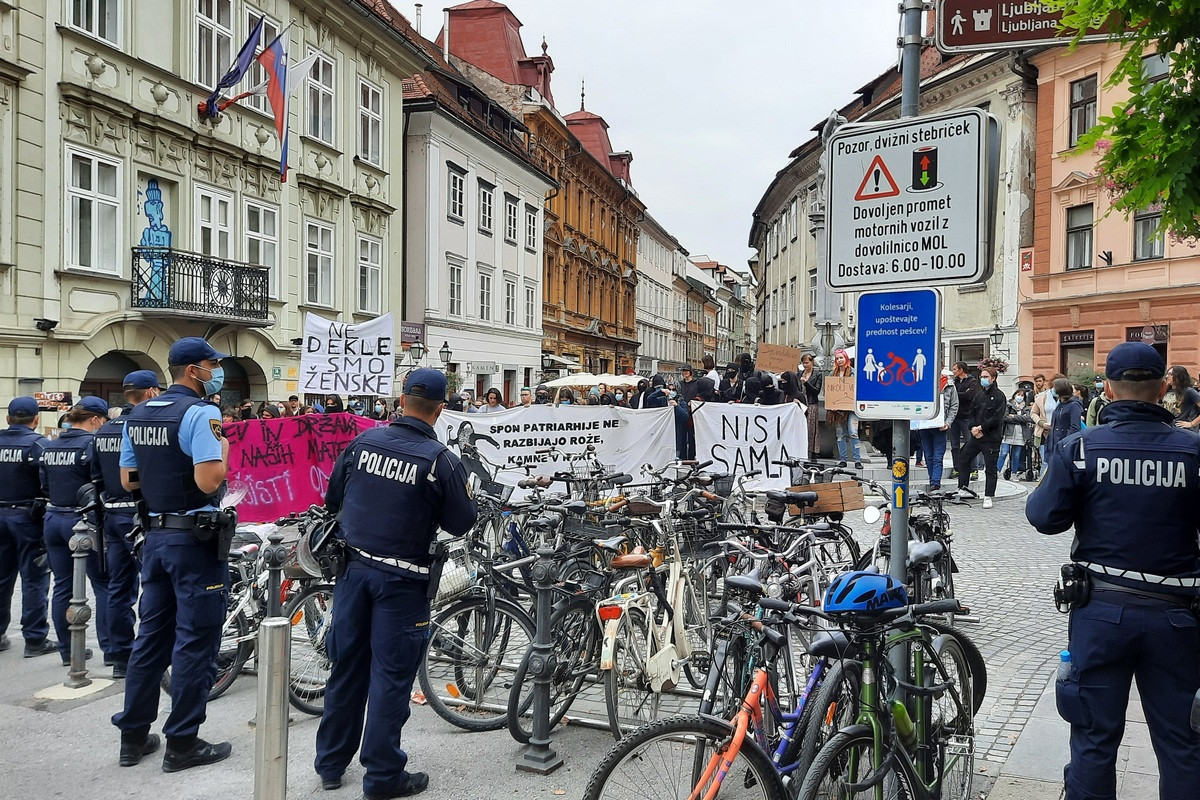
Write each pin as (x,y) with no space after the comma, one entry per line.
(274,60)
(238,69)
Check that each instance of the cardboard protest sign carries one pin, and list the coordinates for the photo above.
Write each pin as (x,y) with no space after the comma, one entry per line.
(777,358)
(839,393)
(741,438)
(348,359)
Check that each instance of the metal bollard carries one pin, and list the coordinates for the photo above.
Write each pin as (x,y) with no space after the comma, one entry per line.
(538,756)
(274,673)
(79,612)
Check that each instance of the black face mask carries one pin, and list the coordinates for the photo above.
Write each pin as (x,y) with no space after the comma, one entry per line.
(247,413)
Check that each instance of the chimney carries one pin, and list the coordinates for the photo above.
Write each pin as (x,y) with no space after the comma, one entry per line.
(446,36)
(417,19)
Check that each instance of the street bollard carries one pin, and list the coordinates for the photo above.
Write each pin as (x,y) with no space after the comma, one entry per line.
(79,612)
(538,756)
(274,672)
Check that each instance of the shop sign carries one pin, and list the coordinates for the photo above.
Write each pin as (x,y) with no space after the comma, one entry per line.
(1076,337)
(1150,334)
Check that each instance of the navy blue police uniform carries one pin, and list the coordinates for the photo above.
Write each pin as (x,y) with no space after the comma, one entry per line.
(21,544)
(66,467)
(185,586)
(1130,487)
(119,513)
(393,487)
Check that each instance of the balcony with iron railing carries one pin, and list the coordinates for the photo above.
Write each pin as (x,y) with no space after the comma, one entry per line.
(175,283)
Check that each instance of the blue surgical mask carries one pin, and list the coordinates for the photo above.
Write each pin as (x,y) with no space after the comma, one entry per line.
(66,425)
(620,395)
(216,380)
(985,382)
(1099,384)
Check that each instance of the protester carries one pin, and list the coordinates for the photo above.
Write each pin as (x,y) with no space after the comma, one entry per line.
(1092,419)
(268,410)
(687,384)
(1068,413)
(968,388)
(1041,412)
(379,410)
(1185,399)
(291,407)
(246,409)
(812,381)
(229,414)
(493,401)
(526,396)
(986,428)
(333,404)
(541,396)
(844,423)
(1017,427)
(730,388)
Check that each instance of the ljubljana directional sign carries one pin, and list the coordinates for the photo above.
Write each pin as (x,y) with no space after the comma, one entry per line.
(897,366)
(907,202)
(967,26)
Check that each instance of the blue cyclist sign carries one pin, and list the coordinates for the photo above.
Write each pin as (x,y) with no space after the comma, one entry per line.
(896,349)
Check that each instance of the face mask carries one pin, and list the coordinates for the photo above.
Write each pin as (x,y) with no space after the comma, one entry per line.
(216,379)
(378,408)
(1099,384)
(620,395)
(985,382)
(66,425)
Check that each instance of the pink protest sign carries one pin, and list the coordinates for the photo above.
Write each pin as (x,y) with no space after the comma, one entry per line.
(284,464)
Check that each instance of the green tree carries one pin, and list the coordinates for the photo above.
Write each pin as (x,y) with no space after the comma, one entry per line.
(1149,146)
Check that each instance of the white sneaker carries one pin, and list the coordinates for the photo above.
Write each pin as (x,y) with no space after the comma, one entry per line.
(987,502)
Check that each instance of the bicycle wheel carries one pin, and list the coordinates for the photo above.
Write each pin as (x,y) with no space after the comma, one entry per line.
(627,695)
(838,550)
(845,769)
(236,648)
(311,615)
(978,666)
(471,660)
(832,707)
(576,648)
(951,720)
(668,759)
(695,623)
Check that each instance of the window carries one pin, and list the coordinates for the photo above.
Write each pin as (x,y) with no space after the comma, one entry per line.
(1083,107)
(214,39)
(1155,67)
(318,267)
(320,98)
(98,17)
(530,308)
(531,229)
(370,269)
(257,75)
(510,219)
(1079,236)
(214,223)
(767,246)
(93,208)
(485,296)
(793,224)
(455,187)
(775,236)
(812,292)
(261,237)
(486,193)
(1147,235)
(792,297)
(456,289)
(370,123)
(510,303)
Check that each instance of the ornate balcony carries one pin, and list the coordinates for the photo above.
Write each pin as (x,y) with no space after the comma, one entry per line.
(174,283)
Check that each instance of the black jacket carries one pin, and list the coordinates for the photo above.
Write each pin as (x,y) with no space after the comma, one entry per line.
(988,412)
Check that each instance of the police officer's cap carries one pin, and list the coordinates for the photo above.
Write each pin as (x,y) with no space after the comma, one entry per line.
(141,379)
(192,350)
(1134,356)
(95,405)
(23,407)
(426,383)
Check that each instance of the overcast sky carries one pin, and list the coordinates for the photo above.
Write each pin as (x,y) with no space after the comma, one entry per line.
(710,97)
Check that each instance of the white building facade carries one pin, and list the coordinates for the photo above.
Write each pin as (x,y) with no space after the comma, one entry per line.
(660,258)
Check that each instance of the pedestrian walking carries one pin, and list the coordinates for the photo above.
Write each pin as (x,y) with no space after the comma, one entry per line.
(118,519)
(1129,489)
(394,487)
(175,455)
(66,467)
(22,548)
(985,423)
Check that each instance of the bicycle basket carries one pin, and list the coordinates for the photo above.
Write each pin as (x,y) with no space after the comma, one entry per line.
(500,491)
(723,485)
(456,573)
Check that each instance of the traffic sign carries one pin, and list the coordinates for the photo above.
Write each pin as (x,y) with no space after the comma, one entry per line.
(896,351)
(978,26)
(928,227)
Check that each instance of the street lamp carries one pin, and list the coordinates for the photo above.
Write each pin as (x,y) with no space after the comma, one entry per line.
(445,353)
(547,361)
(417,350)
(997,337)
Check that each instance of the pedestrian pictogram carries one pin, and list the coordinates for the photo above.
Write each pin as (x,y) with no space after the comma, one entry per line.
(924,169)
(877,183)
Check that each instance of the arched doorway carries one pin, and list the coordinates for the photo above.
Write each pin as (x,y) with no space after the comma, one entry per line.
(244,379)
(106,375)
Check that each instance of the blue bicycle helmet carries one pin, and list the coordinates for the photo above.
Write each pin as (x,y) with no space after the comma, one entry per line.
(864,592)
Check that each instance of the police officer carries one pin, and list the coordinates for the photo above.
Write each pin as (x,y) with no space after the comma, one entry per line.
(119,507)
(21,545)
(1130,487)
(176,455)
(66,467)
(394,486)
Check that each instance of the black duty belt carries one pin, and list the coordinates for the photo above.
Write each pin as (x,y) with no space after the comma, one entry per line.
(173,522)
(1183,601)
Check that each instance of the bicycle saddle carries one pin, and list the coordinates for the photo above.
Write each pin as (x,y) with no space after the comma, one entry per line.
(830,644)
(632,561)
(793,498)
(924,553)
(745,583)
(612,543)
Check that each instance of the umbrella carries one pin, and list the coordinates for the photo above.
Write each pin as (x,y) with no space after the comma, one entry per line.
(582,379)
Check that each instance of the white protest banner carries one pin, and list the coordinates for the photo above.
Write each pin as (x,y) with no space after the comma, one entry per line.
(348,359)
(741,438)
(494,446)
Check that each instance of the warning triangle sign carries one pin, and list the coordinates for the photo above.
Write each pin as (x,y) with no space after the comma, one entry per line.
(877,183)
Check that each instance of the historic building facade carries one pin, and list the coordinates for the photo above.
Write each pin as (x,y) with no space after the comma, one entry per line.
(660,258)
(1095,278)
(127,221)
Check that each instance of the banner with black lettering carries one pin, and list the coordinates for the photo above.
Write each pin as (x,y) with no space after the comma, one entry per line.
(741,438)
(496,446)
(348,359)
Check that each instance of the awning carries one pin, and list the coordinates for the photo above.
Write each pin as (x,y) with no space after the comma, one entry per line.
(564,362)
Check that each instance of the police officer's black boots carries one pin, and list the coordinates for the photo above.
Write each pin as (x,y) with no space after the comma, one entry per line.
(39,647)
(184,754)
(135,745)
